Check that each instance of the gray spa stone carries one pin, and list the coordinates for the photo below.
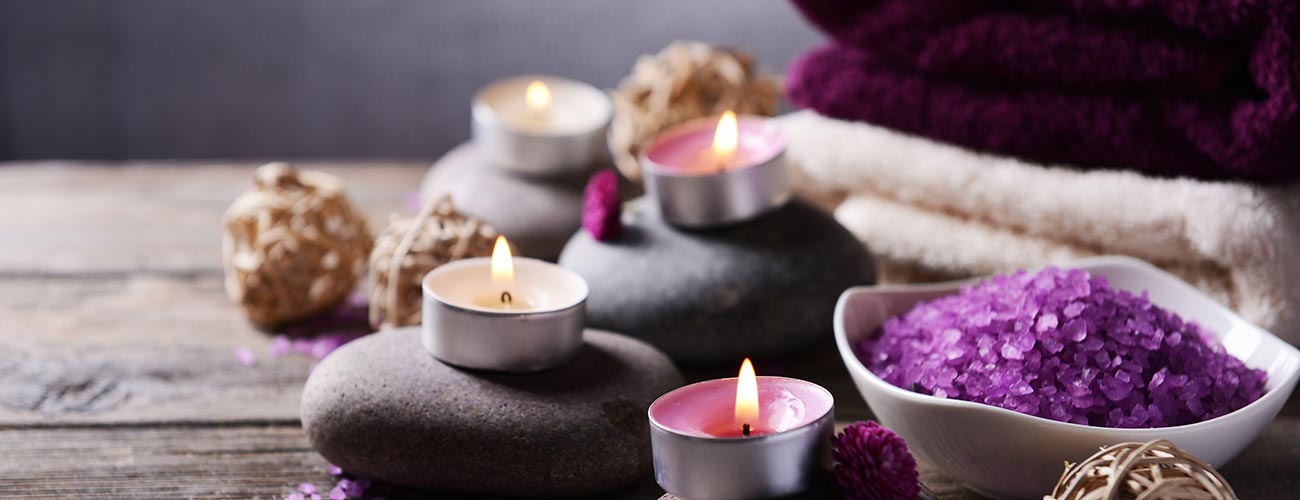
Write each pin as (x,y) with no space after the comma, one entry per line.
(760,288)
(537,215)
(382,407)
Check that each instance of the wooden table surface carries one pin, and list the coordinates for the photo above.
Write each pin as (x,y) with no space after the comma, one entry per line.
(117,370)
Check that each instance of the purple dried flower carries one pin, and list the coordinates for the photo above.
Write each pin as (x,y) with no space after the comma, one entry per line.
(601,207)
(1063,345)
(338,494)
(307,488)
(245,356)
(873,463)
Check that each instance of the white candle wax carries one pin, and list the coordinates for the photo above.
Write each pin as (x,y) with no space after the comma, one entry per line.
(573,107)
(538,286)
(542,126)
(467,324)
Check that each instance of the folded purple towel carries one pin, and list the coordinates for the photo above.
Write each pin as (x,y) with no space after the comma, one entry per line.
(1208,89)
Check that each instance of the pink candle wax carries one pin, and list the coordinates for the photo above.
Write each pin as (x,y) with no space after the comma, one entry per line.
(707,409)
(688,148)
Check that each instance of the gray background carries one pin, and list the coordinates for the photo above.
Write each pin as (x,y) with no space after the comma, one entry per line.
(320,78)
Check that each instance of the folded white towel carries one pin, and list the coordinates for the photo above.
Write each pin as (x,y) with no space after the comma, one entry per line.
(932,210)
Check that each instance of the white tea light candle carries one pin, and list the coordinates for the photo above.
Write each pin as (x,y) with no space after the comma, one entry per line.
(503,313)
(542,125)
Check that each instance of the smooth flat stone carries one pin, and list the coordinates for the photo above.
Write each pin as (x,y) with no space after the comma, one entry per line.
(759,288)
(383,408)
(537,215)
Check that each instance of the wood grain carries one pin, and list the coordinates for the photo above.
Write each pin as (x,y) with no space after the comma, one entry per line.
(162,217)
(198,462)
(207,462)
(264,461)
(137,348)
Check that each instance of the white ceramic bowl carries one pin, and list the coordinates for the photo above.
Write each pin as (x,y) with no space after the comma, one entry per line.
(1004,454)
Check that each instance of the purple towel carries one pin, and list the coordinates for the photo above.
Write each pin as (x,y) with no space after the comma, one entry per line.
(1208,89)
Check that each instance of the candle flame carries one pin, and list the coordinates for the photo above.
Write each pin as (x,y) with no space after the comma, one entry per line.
(725,138)
(538,96)
(503,266)
(746,395)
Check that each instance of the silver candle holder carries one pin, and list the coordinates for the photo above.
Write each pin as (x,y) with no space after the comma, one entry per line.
(560,135)
(696,466)
(533,324)
(692,193)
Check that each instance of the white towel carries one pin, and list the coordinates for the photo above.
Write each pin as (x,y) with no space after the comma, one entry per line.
(930,210)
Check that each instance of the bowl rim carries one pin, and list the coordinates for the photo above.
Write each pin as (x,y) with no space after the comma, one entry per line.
(856,366)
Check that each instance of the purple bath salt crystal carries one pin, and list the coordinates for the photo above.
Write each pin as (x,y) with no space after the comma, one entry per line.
(1064,345)
(1046,321)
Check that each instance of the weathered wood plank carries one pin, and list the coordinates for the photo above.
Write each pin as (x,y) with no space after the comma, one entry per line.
(200,462)
(265,461)
(139,348)
(195,462)
(102,218)
(158,348)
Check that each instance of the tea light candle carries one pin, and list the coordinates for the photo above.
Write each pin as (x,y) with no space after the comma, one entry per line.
(717,171)
(541,125)
(745,437)
(503,313)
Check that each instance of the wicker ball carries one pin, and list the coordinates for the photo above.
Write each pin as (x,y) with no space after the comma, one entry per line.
(293,246)
(1154,470)
(684,81)
(411,247)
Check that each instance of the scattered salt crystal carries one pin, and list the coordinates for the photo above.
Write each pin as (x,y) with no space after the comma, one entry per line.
(280,347)
(245,356)
(1063,345)
(354,490)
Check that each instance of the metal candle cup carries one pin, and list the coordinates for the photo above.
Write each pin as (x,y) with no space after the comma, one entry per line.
(543,329)
(695,190)
(559,135)
(786,454)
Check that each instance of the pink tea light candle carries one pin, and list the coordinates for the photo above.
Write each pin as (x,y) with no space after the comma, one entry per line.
(744,437)
(717,171)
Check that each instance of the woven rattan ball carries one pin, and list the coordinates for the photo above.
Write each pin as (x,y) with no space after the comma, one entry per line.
(411,247)
(1154,470)
(684,81)
(293,246)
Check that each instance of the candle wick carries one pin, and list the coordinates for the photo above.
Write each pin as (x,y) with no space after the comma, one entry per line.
(506,298)
(744,429)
